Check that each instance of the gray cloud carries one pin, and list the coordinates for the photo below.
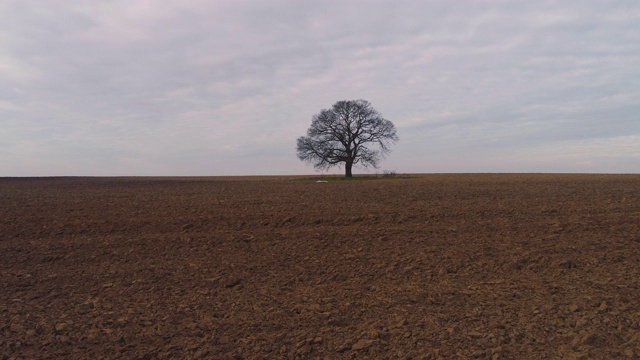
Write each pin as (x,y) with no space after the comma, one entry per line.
(225,87)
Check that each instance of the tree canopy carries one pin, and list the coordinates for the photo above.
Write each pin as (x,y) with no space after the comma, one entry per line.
(352,133)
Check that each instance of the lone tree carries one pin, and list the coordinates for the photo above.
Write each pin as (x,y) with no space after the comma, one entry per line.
(351,132)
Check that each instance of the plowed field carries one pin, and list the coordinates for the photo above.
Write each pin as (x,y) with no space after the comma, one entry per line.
(433,266)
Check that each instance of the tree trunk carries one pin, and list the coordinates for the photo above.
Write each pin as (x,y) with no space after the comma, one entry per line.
(347,169)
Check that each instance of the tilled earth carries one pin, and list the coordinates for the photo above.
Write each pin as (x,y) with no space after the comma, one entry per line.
(433,267)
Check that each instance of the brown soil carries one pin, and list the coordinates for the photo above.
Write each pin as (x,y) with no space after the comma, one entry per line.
(435,266)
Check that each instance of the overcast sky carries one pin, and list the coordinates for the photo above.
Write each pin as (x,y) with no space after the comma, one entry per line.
(225,87)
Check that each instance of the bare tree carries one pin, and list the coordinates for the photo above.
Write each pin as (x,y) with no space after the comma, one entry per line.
(351,132)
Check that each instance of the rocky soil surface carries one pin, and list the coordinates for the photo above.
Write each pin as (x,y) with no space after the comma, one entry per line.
(431,267)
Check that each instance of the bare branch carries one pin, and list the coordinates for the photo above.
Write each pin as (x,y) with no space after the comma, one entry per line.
(351,132)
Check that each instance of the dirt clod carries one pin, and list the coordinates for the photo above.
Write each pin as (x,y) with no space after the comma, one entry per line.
(362,344)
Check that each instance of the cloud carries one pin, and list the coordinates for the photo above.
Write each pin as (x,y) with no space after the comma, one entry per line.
(225,87)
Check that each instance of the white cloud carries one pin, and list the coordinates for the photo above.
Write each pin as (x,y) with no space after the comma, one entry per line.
(225,87)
